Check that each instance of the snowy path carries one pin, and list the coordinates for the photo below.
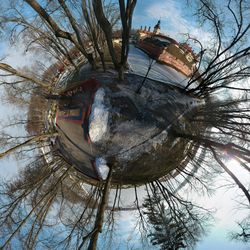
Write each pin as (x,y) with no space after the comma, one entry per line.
(139,62)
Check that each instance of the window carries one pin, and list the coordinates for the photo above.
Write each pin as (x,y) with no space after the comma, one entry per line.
(189,58)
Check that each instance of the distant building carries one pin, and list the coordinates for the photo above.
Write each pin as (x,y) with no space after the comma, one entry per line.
(157,28)
(117,37)
(167,50)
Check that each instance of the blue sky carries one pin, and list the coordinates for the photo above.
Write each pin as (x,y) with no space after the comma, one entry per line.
(175,19)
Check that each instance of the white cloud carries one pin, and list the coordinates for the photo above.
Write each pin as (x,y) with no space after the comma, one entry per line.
(16,56)
(173,21)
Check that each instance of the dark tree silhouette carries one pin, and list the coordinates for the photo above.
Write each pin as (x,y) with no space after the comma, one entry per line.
(243,233)
(226,63)
(175,224)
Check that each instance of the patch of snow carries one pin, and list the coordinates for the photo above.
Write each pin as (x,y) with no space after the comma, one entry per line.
(101,167)
(98,121)
(174,143)
(146,147)
(46,151)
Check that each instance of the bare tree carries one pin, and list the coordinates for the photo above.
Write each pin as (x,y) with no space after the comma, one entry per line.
(226,63)
(222,128)
(33,186)
(93,28)
(243,233)
(100,214)
(175,223)
(217,128)
(126,13)
(48,19)
(8,140)
(14,72)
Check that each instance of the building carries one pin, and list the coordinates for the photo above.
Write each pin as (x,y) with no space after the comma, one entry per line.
(165,49)
(157,28)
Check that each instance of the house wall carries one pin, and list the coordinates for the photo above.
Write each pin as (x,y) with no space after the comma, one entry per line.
(164,56)
(141,34)
(175,63)
(176,52)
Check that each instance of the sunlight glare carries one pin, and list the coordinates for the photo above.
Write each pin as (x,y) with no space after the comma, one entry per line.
(231,163)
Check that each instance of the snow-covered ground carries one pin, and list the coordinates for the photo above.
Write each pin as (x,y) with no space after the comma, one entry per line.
(102,167)
(139,62)
(98,121)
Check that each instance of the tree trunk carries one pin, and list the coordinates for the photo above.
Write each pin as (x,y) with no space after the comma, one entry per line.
(78,35)
(56,97)
(9,69)
(103,61)
(121,73)
(100,213)
(56,29)
(93,33)
(92,61)
(126,14)
(107,29)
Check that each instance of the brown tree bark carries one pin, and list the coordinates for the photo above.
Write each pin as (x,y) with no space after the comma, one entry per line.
(92,30)
(126,14)
(77,32)
(126,18)
(100,213)
(107,29)
(59,32)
